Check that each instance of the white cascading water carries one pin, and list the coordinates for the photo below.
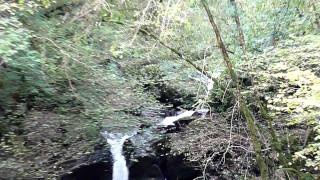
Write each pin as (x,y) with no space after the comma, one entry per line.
(207,82)
(119,169)
(169,121)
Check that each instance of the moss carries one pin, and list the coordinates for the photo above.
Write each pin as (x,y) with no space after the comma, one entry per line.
(296,101)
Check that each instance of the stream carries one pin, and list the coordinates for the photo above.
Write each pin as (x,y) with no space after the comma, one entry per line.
(116,141)
(139,154)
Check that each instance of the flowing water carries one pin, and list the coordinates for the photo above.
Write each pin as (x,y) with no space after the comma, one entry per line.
(119,169)
(116,141)
(169,121)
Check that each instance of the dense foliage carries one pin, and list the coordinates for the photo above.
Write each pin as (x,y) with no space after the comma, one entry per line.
(91,65)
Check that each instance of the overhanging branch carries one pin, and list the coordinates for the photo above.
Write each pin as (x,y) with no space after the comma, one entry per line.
(174,51)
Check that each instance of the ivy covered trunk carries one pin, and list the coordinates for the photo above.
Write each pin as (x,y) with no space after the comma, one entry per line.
(243,106)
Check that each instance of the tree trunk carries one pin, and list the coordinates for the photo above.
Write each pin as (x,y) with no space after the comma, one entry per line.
(236,17)
(243,106)
(276,144)
(317,15)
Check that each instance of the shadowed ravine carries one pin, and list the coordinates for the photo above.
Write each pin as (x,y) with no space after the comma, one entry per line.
(152,163)
(116,140)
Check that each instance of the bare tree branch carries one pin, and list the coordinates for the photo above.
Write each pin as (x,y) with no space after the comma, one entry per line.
(176,52)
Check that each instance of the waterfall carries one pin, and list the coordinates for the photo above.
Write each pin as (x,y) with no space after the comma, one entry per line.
(119,169)
(169,121)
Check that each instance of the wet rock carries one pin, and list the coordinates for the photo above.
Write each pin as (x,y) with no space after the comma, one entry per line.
(169,95)
(97,166)
(144,126)
(146,168)
(95,171)
(161,164)
(168,167)
(176,167)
